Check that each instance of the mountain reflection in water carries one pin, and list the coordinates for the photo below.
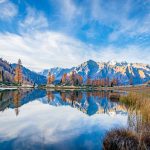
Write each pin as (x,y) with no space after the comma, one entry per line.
(40,119)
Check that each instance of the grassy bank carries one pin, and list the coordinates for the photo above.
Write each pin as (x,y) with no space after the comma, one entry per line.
(137,135)
(124,139)
(138,103)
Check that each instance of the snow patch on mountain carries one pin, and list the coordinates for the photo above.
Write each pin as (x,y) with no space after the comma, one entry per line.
(122,71)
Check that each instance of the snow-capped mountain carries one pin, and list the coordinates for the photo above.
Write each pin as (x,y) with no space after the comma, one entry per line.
(122,71)
(87,103)
(58,72)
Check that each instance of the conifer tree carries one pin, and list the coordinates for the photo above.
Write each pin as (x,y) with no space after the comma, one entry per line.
(18,73)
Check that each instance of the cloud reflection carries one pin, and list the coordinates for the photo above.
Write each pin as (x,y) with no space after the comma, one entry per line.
(40,123)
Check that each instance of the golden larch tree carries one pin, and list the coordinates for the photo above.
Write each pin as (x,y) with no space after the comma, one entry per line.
(80,79)
(49,78)
(89,82)
(52,78)
(18,73)
(64,78)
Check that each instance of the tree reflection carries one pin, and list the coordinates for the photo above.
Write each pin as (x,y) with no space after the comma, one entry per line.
(5,99)
(63,96)
(50,96)
(16,98)
(16,101)
(90,102)
(18,95)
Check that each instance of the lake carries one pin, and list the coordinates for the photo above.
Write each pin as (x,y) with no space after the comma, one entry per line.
(57,120)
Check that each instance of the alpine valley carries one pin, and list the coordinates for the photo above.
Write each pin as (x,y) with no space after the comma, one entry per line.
(122,71)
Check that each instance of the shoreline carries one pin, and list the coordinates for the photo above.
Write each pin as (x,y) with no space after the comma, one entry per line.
(14,88)
(115,88)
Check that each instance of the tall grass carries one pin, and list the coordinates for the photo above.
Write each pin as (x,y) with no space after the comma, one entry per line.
(139,103)
(137,135)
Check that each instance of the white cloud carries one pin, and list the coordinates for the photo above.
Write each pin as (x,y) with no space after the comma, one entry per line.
(7,10)
(39,50)
(69,16)
(68,9)
(130,53)
(2,1)
(117,15)
(34,20)
(52,130)
(42,50)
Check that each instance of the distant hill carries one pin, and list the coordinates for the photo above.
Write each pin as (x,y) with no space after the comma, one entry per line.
(122,71)
(33,76)
(8,72)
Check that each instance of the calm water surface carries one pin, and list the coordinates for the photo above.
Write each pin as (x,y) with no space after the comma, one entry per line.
(40,119)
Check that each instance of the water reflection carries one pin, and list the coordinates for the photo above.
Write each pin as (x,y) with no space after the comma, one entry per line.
(40,119)
(136,123)
(88,102)
(16,98)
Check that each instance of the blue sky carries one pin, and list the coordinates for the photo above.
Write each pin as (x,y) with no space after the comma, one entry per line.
(64,33)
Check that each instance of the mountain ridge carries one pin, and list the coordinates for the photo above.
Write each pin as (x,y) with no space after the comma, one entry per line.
(123,71)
